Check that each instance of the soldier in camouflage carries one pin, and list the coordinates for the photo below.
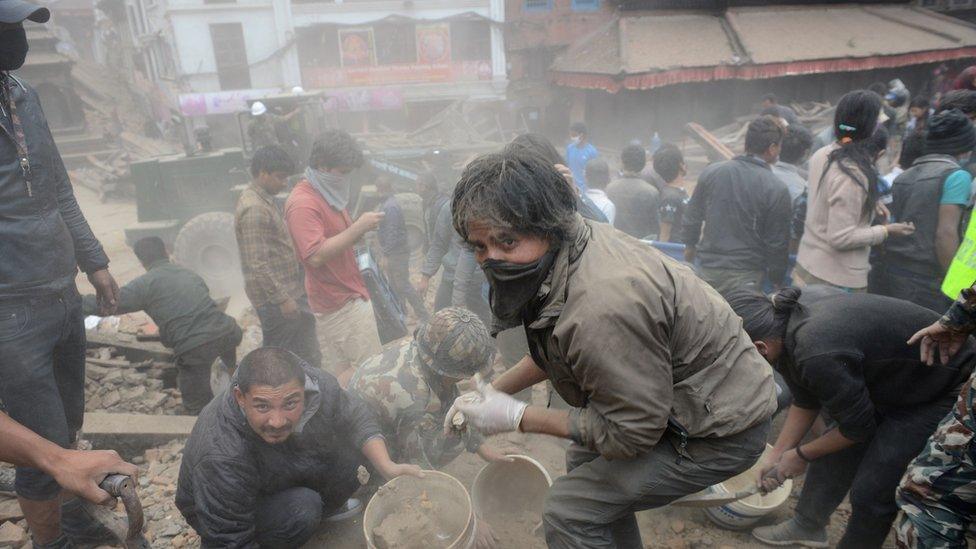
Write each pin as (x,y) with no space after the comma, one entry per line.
(411,386)
(937,495)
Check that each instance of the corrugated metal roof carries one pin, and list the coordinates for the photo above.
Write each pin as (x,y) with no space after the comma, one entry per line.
(786,34)
(749,42)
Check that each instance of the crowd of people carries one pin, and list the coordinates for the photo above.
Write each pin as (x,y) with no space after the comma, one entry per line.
(668,370)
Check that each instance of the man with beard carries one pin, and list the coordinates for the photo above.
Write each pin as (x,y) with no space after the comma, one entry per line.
(275,453)
(44,241)
(324,237)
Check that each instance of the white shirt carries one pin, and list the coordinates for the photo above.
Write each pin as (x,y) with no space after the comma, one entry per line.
(602,201)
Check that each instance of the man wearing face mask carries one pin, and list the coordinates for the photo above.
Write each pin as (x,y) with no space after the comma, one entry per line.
(667,393)
(324,237)
(44,240)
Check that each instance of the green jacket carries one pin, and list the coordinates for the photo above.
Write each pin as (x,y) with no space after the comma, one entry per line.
(410,413)
(178,301)
(631,337)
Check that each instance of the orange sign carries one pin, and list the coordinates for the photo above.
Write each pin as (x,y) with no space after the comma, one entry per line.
(433,44)
(357,48)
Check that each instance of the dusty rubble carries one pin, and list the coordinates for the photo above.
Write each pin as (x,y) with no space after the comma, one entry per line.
(116,385)
(159,472)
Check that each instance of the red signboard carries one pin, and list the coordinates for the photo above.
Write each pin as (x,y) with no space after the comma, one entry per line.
(413,73)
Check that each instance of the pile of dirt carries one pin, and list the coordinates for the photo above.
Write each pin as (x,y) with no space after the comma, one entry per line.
(417,525)
(522,530)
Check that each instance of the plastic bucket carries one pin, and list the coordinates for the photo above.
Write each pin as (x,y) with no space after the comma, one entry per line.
(503,492)
(453,512)
(746,512)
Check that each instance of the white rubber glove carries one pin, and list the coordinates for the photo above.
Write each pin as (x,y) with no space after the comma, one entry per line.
(491,411)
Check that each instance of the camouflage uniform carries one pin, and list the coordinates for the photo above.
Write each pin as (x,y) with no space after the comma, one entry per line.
(410,413)
(937,495)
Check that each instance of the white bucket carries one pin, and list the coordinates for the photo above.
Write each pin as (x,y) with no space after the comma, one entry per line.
(440,486)
(748,511)
(503,490)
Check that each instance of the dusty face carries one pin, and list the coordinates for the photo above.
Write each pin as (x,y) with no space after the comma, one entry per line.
(504,244)
(273,412)
(274,182)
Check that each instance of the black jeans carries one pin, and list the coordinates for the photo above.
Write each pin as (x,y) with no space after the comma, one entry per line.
(193,369)
(288,518)
(398,271)
(920,291)
(870,471)
(42,374)
(295,334)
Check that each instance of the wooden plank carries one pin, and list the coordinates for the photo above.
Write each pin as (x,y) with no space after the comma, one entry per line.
(715,149)
(104,424)
(134,351)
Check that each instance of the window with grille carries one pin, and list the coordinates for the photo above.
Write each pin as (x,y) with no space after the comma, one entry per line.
(470,41)
(395,43)
(230,53)
(538,5)
(586,5)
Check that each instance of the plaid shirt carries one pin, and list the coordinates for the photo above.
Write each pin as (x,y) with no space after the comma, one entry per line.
(271,269)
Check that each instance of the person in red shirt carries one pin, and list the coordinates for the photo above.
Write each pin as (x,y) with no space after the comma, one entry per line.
(324,237)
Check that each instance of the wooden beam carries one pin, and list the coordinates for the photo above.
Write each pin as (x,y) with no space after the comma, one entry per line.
(139,426)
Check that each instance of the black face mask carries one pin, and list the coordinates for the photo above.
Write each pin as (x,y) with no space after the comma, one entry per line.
(513,285)
(13,48)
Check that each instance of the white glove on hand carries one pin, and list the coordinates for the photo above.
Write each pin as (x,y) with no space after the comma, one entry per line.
(490,411)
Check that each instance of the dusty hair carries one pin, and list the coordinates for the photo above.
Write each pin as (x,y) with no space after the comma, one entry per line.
(517,190)
(335,149)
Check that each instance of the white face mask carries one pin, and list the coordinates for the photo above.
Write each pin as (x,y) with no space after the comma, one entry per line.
(575,140)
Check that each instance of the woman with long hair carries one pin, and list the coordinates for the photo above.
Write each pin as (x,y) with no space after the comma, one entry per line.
(843,197)
(845,356)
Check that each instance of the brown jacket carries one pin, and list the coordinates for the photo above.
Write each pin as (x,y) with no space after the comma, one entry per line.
(632,337)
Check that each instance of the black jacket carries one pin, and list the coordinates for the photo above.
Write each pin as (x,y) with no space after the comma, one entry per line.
(746,210)
(44,237)
(846,353)
(227,467)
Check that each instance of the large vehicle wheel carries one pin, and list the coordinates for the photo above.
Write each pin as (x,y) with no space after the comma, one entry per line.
(208,246)
(413,216)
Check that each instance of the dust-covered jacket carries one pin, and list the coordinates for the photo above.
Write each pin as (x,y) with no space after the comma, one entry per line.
(630,337)
(44,237)
(227,467)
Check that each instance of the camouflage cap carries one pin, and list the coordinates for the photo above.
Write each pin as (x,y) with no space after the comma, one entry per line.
(455,343)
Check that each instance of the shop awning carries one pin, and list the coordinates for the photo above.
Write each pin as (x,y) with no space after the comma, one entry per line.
(653,50)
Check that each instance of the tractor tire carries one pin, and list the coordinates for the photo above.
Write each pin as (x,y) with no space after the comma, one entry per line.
(413,216)
(207,245)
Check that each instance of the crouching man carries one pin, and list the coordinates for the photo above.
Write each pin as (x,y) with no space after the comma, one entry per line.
(275,453)
(411,386)
(189,321)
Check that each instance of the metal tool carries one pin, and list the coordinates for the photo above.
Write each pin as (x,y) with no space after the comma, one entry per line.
(717,499)
(128,531)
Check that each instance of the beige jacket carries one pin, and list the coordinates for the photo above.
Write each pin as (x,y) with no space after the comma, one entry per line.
(837,235)
(632,337)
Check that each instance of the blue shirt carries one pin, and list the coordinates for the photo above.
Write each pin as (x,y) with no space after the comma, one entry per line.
(957,188)
(576,158)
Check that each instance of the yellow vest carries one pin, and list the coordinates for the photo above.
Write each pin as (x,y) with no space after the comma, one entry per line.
(962,270)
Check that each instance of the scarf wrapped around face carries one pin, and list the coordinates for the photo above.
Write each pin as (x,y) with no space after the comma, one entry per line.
(333,188)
